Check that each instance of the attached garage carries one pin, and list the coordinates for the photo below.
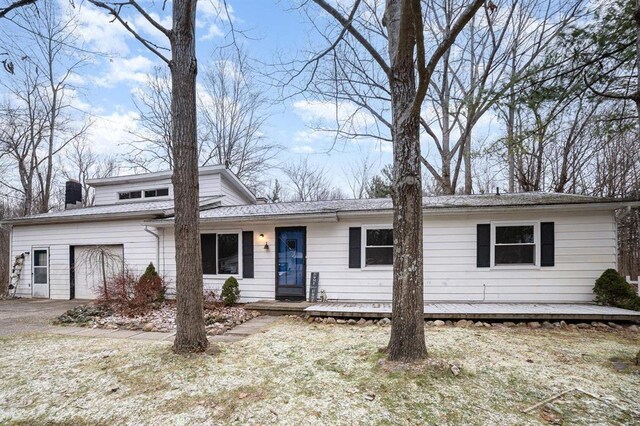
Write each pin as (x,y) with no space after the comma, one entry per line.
(91,266)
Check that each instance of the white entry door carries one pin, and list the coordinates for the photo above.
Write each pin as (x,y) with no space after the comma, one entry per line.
(94,265)
(40,272)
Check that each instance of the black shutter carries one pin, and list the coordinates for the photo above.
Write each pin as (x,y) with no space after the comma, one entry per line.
(208,247)
(483,248)
(355,247)
(547,244)
(247,254)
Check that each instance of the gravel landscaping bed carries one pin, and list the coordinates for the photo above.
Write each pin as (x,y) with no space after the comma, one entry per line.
(218,320)
(305,374)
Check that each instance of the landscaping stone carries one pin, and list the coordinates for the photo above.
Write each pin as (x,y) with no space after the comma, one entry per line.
(448,323)
(633,328)
(341,321)
(534,324)
(429,323)
(583,326)
(486,324)
(352,322)
(462,323)
(148,327)
(478,324)
(362,321)
(438,323)
(547,324)
(384,322)
(563,325)
(509,324)
(369,322)
(614,325)
(331,320)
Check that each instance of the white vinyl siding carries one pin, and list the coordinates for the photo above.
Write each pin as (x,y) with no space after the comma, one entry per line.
(210,186)
(585,245)
(139,248)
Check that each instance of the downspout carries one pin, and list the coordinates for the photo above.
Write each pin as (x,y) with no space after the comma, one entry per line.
(146,229)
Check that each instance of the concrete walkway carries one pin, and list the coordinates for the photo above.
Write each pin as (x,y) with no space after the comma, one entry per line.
(249,328)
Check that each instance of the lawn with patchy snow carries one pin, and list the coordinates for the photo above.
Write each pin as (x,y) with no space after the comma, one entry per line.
(299,373)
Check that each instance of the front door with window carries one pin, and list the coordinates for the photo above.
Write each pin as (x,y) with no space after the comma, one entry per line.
(40,272)
(290,263)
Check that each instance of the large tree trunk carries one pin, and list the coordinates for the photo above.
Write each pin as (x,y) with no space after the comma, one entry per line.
(191,336)
(407,330)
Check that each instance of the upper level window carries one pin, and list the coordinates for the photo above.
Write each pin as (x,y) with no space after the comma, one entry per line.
(378,247)
(515,245)
(129,195)
(148,193)
(160,192)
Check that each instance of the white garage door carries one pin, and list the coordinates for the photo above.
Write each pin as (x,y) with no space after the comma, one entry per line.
(94,264)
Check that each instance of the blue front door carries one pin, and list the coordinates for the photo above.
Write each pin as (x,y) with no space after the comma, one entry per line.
(290,263)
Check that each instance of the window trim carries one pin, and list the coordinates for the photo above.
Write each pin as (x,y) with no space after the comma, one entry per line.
(363,246)
(237,276)
(536,244)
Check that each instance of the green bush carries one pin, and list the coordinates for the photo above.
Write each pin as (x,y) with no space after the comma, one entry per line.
(230,291)
(612,290)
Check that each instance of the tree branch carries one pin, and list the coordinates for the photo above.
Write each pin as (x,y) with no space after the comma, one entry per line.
(15,5)
(153,48)
(425,73)
(355,33)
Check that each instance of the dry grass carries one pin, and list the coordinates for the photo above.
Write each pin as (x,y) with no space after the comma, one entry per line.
(297,373)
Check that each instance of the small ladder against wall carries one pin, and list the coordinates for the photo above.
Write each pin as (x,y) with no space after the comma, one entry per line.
(14,278)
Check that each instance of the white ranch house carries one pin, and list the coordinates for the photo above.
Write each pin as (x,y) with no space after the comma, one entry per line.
(529,247)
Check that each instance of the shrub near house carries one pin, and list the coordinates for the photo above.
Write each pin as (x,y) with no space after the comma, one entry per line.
(612,289)
(130,295)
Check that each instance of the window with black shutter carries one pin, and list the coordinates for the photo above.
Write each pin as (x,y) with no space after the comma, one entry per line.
(208,247)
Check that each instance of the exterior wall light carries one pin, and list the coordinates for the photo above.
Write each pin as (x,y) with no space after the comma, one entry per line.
(266,243)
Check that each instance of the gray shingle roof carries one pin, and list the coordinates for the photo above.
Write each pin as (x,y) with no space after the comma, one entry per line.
(162,210)
(385,204)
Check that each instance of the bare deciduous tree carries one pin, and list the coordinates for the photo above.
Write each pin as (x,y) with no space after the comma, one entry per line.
(309,183)
(83,164)
(41,122)
(232,108)
(190,336)
(407,71)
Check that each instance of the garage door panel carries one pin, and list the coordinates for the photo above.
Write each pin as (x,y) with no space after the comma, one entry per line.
(92,265)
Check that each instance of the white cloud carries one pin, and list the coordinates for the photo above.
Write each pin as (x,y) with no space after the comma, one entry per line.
(109,132)
(213,32)
(123,70)
(303,149)
(96,29)
(327,111)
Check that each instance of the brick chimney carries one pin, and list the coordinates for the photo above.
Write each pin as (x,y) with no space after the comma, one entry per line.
(72,195)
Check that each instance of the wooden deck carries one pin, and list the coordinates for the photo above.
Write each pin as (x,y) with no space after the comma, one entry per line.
(488,311)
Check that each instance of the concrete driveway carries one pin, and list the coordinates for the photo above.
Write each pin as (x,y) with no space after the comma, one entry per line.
(28,315)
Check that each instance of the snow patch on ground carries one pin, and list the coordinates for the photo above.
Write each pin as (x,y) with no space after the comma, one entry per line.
(299,373)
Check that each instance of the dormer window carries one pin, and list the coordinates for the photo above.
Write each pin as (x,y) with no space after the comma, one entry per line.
(147,193)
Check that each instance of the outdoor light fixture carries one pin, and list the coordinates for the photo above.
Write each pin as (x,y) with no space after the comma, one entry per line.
(266,243)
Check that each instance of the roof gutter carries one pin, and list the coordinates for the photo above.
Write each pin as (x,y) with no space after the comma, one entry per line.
(83,218)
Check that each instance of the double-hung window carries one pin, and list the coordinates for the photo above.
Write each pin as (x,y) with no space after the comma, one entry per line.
(378,246)
(515,244)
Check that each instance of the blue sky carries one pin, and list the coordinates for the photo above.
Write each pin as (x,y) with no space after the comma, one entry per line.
(271,27)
